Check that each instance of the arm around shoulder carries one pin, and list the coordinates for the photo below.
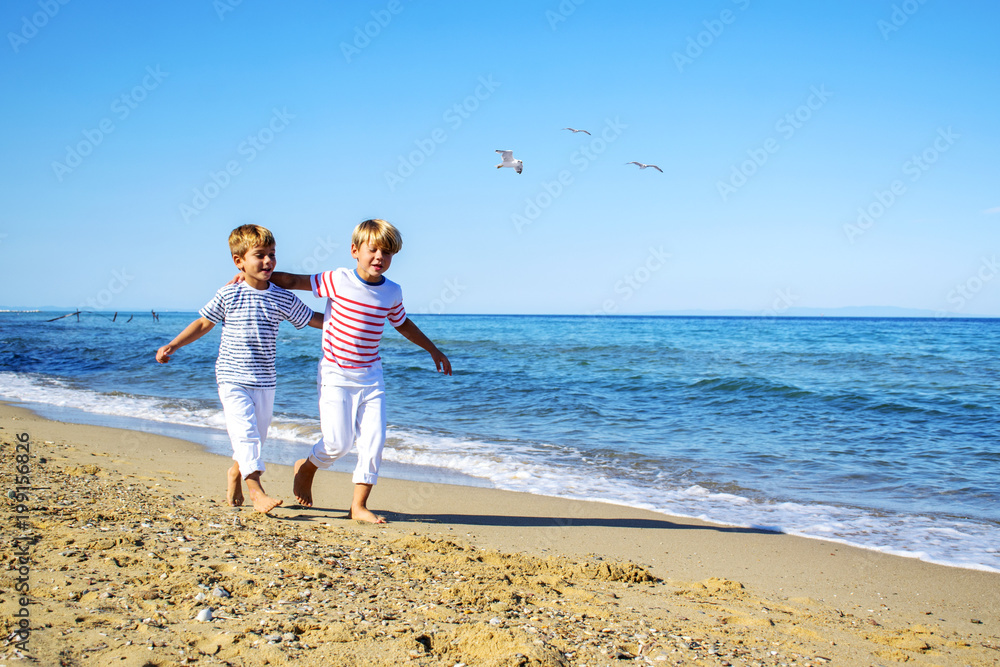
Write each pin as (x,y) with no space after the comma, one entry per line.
(191,333)
(412,333)
(292,281)
(316,321)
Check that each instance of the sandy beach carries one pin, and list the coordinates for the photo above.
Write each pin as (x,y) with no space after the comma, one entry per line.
(124,539)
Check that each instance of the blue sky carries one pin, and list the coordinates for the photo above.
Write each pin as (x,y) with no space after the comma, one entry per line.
(814,155)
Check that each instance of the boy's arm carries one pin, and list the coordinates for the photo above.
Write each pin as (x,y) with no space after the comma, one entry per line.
(191,333)
(413,334)
(283,280)
(316,321)
(292,281)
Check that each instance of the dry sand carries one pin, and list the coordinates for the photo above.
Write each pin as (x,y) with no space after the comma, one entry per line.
(132,539)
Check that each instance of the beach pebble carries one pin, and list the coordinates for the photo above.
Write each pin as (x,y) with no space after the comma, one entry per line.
(12,494)
(199,597)
(220,592)
(289,637)
(204,615)
(273,638)
(495,620)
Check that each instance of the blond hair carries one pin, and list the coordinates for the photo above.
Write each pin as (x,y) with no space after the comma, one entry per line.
(245,237)
(381,234)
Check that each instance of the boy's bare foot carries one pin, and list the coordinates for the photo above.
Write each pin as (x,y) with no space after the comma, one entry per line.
(234,486)
(364,514)
(302,482)
(263,503)
(359,505)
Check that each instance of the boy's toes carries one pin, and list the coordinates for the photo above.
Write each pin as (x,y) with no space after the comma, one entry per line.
(265,504)
(366,515)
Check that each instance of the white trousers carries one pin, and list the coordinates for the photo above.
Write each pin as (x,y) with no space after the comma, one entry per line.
(348,416)
(248,416)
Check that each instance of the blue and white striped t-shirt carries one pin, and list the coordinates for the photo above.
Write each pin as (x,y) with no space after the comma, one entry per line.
(250,319)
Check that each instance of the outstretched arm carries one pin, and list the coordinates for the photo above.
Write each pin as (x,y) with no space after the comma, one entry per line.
(191,333)
(413,334)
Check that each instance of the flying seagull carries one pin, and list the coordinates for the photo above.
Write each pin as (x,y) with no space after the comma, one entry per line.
(574,130)
(643,166)
(509,161)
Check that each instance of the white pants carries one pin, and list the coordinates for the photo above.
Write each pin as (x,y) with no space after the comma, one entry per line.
(248,415)
(350,415)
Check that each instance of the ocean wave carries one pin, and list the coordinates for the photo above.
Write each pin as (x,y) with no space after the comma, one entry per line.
(749,386)
(886,402)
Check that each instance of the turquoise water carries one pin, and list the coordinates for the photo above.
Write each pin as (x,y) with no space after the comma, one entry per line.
(876,432)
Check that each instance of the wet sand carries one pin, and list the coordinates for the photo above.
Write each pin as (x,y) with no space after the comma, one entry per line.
(129,539)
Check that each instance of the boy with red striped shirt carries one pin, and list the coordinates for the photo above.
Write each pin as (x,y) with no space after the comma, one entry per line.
(351,386)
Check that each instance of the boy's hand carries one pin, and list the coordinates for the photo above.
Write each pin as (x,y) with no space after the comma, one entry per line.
(441,362)
(238,278)
(191,333)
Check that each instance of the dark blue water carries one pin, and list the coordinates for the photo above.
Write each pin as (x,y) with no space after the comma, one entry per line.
(877,432)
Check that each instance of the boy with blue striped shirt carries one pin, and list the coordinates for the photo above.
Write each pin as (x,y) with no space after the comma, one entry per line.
(250,312)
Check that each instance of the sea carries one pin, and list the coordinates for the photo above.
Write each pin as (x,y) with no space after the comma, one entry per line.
(878,433)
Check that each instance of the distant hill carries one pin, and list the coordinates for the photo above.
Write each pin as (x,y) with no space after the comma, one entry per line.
(848,311)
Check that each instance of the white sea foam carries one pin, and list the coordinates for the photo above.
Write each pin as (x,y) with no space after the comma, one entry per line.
(183,412)
(528,467)
(942,540)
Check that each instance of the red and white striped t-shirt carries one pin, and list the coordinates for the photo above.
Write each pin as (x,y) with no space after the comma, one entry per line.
(356,312)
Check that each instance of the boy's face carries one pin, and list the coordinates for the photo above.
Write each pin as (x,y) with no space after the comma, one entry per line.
(257,265)
(372,261)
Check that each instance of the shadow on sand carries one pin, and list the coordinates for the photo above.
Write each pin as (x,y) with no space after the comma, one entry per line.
(507,520)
